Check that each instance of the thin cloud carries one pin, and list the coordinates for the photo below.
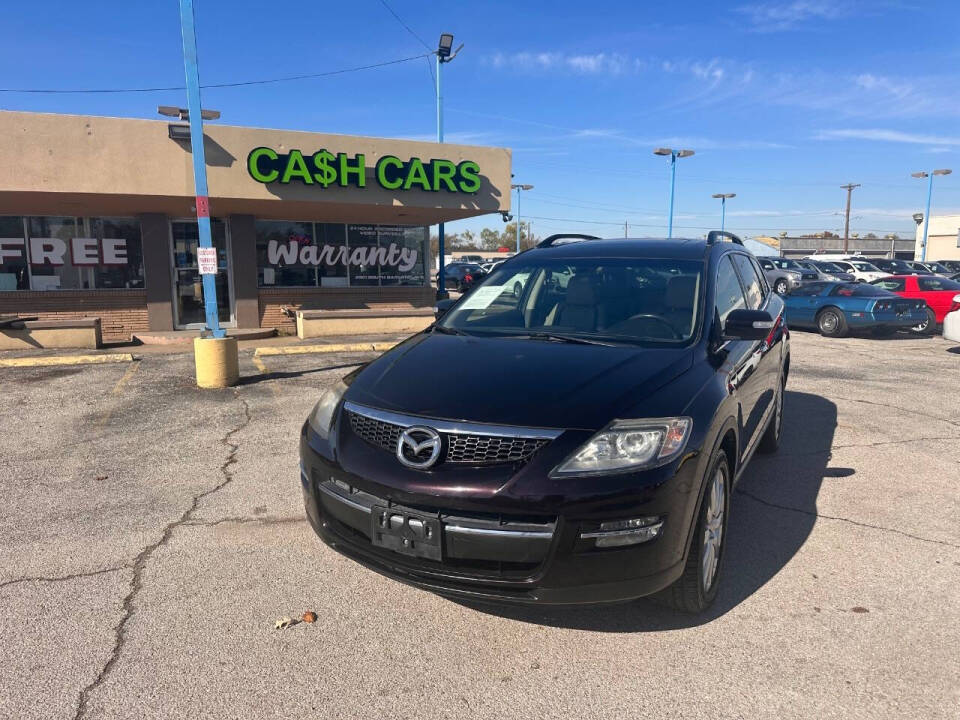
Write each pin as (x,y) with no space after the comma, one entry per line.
(892,136)
(580,64)
(781,16)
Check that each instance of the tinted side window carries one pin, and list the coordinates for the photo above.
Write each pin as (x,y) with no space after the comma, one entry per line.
(810,289)
(729,293)
(935,283)
(751,283)
(764,287)
(766,265)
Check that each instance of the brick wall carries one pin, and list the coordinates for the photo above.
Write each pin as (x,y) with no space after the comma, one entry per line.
(272,300)
(121,312)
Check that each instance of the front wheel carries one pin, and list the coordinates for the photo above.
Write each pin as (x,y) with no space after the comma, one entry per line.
(780,287)
(927,326)
(695,590)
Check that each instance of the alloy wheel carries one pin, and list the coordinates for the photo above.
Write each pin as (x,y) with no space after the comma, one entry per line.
(713,528)
(781,287)
(828,322)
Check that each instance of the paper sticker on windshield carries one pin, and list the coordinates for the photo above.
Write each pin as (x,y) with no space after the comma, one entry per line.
(482,297)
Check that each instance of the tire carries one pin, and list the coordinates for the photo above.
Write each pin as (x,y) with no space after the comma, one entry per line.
(832,323)
(691,592)
(926,328)
(517,289)
(770,442)
(780,287)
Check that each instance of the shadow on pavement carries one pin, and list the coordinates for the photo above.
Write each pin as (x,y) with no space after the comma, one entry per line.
(282,375)
(773,512)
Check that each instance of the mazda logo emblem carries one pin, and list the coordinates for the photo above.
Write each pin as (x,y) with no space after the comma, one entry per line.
(418,447)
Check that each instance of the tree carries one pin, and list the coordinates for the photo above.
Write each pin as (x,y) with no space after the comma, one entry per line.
(489,239)
(870,236)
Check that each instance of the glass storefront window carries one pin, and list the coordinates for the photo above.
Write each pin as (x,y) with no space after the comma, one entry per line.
(301,254)
(68,253)
(13,255)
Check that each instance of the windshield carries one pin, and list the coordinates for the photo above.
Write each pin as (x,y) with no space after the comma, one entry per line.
(785,263)
(864,266)
(938,268)
(632,300)
(859,290)
(829,267)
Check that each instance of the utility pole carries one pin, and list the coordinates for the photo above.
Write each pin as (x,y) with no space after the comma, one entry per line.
(626,228)
(846,226)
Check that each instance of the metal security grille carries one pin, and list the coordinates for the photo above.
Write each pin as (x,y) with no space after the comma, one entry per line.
(461,448)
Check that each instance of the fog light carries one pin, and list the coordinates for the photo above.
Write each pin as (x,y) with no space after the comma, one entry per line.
(616,533)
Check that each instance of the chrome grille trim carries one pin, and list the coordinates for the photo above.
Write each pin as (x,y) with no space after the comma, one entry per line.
(469,443)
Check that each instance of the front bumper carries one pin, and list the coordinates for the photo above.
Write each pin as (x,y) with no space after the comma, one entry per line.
(532,556)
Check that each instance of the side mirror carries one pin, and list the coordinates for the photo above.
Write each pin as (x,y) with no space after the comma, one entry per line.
(440,309)
(748,325)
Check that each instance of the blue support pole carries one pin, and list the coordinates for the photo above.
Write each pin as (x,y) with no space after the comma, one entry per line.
(723,213)
(926,220)
(518,221)
(673,178)
(442,282)
(189,35)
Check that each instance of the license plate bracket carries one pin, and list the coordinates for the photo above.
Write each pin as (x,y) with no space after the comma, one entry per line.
(406,532)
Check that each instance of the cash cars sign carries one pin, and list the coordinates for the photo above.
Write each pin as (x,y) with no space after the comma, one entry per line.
(326,169)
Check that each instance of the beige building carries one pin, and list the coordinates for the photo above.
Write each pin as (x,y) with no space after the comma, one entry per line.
(98,218)
(943,240)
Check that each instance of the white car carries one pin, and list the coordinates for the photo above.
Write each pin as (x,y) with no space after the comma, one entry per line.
(951,322)
(860,269)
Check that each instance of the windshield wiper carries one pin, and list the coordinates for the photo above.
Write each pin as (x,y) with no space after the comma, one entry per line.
(448,330)
(560,337)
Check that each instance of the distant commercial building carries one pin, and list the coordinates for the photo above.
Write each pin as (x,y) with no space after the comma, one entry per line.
(943,241)
(795,247)
(97,219)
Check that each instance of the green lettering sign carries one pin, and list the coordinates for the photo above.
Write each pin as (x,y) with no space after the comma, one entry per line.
(324,168)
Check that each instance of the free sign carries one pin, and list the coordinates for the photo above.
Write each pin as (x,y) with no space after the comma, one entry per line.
(53,251)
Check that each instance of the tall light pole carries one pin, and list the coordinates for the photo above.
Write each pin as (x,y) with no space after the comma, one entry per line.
(674,154)
(518,188)
(196,117)
(723,206)
(926,219)
(444,55)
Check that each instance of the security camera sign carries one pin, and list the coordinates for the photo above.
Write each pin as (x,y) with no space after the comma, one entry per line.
(207,260)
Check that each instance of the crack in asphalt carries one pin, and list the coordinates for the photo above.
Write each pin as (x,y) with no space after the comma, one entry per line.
(815,514)
(895,442)
(140,561)
(901,409)
(242,520)
(62,578)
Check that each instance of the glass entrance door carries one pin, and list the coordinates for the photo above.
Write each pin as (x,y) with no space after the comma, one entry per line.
(187,282)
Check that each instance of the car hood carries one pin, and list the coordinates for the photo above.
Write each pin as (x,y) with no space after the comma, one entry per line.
(514,381)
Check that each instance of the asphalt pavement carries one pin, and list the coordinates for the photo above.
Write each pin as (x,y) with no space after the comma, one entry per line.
(151,534)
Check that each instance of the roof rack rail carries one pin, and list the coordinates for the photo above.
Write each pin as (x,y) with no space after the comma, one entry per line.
(550,241)
(717,235)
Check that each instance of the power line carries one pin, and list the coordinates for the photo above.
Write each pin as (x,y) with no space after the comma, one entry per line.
(689,227)
(244,83)
(405,26)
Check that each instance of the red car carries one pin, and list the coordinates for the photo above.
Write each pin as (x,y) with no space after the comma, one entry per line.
(935,290)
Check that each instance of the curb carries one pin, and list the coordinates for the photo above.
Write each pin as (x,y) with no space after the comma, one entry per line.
(331,348)
(67,360)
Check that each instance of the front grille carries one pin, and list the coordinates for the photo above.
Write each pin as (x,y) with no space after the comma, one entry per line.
(486,449)
(460,448)
(809,276)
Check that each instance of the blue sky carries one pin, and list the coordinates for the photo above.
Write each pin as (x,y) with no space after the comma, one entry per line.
(782,100)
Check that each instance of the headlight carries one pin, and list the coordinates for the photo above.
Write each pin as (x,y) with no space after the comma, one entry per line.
(628,445)
(321,418)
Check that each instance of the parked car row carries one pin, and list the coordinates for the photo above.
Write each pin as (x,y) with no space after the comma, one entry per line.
(915,302)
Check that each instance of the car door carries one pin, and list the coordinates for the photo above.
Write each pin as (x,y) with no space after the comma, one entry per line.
(803,304)
(740,363)
(762,367)
(938,293)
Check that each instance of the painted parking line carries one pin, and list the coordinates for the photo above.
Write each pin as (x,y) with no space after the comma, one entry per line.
(331,348)
(66,360)
(118,388)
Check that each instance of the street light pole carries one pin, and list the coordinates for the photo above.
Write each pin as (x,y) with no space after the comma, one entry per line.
(444,55)
(674,154)
(195,116)
(518,188)
(926,217)
(723,206)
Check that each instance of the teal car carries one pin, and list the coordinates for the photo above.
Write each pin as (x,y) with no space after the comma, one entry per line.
(836,308)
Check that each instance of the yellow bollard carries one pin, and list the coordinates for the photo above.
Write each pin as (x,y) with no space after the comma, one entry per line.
(217,363)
